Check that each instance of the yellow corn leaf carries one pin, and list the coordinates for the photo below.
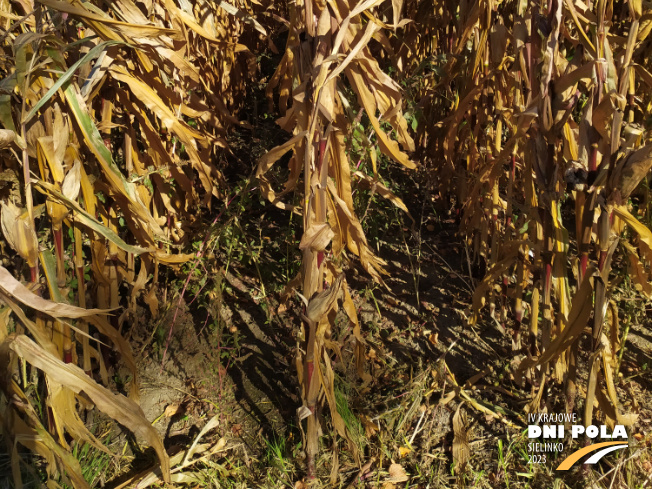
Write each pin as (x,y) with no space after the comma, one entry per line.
(644,233)
(580,28)
(356,240)
(46,148)
(570,143)
(13,288)
(110,28)
(397,6)
(577,318)
(118,407)
(461,450)
(64,412)
(327,377)
(18,232)
(324,79)
(316,237)
(88,194)
(561,245)
(243,16)
(60,134)
(36,438)
(594,377)
(190,21)
(637,271)
(86,219)
(115,178)
(153,102)
(72,182)
(387,145)
(272,156)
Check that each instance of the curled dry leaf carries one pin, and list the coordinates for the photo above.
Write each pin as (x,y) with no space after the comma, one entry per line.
(317,237)
(7,137)
(170,410)
(631,170)
(324,302)
(19,233)
(72,182)
(404,451)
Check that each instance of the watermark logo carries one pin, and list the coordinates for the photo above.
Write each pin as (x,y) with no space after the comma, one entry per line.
(549,431)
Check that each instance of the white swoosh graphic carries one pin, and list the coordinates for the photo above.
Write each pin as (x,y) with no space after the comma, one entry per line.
(595,458)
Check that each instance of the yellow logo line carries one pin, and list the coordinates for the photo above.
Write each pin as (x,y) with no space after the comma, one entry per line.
(575,456)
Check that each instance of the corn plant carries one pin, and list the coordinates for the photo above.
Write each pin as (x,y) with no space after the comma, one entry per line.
(539,117)
(112,121)
(326,56)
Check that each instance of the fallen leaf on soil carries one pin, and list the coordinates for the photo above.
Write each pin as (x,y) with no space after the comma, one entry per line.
(392,301)
(460,440)
(397,473)
(403,451)
(212,423)
(370,428)
(171,410)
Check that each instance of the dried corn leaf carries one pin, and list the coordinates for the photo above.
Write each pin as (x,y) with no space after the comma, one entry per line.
(117,406)
(461,449)
(18,232)
(579,314)
(13,288)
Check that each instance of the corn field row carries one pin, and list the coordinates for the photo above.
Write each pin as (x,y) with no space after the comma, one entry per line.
(532,117)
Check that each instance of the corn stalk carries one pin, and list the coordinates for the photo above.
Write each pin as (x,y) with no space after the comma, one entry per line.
(327,51)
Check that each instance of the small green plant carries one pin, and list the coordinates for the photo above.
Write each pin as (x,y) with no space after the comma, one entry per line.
(94,463)
(277,458)
(351,421)
(502,461)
